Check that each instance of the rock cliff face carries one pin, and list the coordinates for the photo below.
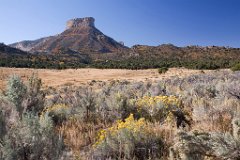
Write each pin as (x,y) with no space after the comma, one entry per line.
(80,35)
(80,22)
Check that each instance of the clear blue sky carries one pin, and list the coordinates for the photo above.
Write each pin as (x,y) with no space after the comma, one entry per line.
(150,22)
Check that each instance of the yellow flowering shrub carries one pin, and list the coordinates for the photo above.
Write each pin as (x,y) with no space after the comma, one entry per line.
(126,139)
(130,123)
(158,108)
(151,101)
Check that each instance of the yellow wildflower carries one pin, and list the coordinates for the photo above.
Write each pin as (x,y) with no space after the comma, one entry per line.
(130,123)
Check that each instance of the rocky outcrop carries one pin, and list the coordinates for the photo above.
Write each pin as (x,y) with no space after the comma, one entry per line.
(80,22)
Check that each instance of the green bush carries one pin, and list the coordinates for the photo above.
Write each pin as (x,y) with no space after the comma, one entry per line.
(34,98)
(32,139)
(58,113)
(162,70)
(16,91)
(28,137)
(236,67)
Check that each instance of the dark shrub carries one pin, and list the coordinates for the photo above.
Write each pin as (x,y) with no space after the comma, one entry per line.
(162,70)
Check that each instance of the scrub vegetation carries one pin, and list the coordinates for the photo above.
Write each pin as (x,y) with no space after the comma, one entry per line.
(192,117)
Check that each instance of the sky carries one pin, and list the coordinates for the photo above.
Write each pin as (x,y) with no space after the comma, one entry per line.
(147,22)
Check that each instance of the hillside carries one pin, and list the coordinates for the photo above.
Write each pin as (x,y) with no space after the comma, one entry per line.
(188,52)
(13,57)
(80,35)
(7,50)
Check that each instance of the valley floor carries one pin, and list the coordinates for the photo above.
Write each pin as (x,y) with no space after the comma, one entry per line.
(56,78)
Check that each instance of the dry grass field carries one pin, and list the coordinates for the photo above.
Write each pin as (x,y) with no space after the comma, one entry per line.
(56,78)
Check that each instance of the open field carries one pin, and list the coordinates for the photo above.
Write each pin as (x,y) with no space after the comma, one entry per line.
(56,78)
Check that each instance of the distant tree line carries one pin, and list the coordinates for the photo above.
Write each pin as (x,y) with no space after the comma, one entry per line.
(64,62)
(165,63)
